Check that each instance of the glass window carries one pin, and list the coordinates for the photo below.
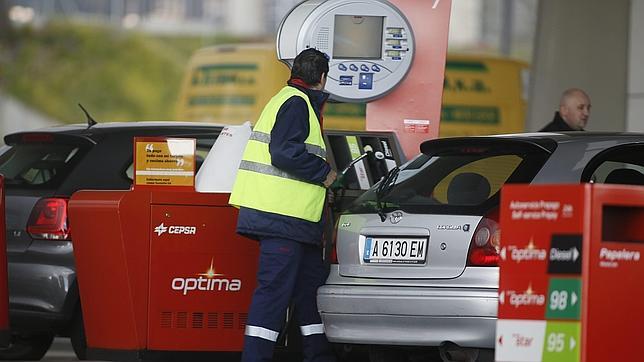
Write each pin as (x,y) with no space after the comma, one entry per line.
(35,164)
(455,179)
(494,170)
(618,165)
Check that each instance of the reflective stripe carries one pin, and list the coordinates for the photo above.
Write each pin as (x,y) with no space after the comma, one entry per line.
(312,329)
(260,137)
(261,332)
(266,138)
(316,150)
(266,170)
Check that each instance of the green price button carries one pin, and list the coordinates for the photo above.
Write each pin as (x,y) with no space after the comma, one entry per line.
(564,299)
(561,343)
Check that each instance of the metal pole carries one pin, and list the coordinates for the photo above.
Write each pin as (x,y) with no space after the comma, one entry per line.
(507,19)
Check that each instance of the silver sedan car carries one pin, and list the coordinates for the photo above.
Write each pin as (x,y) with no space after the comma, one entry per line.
(417,254)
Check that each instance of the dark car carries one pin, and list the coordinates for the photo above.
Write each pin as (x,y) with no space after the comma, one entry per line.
(42,169)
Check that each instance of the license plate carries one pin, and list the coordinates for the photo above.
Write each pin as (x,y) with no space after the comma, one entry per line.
(395,250)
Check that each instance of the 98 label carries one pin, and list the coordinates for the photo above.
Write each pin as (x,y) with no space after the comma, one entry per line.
(564,299)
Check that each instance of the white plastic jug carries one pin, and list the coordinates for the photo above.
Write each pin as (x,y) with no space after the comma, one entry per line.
(219,169)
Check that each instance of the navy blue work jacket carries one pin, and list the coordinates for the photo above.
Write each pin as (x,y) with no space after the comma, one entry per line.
(288,153)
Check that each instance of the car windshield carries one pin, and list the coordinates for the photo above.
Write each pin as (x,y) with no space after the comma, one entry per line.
(37,164)
(464,179)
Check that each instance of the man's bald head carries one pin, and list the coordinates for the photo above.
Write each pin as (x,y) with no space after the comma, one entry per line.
(574,108)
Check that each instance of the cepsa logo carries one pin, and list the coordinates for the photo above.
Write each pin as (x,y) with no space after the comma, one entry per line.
(518,299)
(210,281)
(174,229)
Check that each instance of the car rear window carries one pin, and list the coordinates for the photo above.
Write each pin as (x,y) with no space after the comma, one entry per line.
(38,164)
(455,177)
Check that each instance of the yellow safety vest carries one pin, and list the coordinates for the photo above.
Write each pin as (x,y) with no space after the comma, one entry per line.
(260,185)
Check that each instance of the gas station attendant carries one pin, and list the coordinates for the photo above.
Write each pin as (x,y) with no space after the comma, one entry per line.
(280,190)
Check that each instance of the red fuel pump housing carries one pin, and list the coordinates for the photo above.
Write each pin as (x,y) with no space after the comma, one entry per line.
(161,271)
(571,273)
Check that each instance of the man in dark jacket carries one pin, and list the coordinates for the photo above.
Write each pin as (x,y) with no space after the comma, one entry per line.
(573,114)
(280,189)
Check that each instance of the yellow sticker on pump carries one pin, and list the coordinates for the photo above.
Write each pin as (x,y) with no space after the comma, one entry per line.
(164,162)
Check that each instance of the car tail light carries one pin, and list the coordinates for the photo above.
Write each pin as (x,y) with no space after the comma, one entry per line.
(48,220)
(333,256)
(332,253)
(37,138)
(484,246)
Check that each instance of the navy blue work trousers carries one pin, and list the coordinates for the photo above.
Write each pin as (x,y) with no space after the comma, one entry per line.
(288,271)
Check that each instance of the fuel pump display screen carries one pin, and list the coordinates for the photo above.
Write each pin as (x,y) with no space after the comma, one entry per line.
(357,37)
(369,42)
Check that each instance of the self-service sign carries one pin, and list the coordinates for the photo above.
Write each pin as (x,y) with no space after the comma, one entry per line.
(163,162)
(570,284)
(540,281)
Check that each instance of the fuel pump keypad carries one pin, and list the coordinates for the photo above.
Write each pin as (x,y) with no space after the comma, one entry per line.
(370,44)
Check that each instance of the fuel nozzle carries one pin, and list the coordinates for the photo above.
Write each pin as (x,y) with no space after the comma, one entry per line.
(368,152)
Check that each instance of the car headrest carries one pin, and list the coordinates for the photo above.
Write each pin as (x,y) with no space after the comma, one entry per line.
(468,188)
(626,176)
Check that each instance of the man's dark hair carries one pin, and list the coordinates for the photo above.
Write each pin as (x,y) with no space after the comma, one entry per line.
(309,66)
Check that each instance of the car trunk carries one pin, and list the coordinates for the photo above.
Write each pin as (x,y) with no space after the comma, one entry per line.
(421,222)
(34,165)
(441,245)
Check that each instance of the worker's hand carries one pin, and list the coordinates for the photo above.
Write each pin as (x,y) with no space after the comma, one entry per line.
(330,177)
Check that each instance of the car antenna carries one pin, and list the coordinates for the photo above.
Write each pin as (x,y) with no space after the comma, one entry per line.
(90,120)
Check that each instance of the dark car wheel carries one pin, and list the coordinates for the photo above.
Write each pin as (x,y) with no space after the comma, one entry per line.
(27,347)
(77,336)
(351,353)
(386,354)
(486,355)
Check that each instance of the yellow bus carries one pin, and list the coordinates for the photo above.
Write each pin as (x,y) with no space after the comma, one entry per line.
(230,84)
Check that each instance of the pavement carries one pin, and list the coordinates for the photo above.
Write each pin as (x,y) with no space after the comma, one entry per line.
(60,351)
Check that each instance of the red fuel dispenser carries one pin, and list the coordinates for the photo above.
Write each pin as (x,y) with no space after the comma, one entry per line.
(160,271)
(160,267)
(4,291)
(571,273)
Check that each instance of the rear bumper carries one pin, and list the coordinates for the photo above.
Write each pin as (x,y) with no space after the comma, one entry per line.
(23,321)
(40,287)
(410,316)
